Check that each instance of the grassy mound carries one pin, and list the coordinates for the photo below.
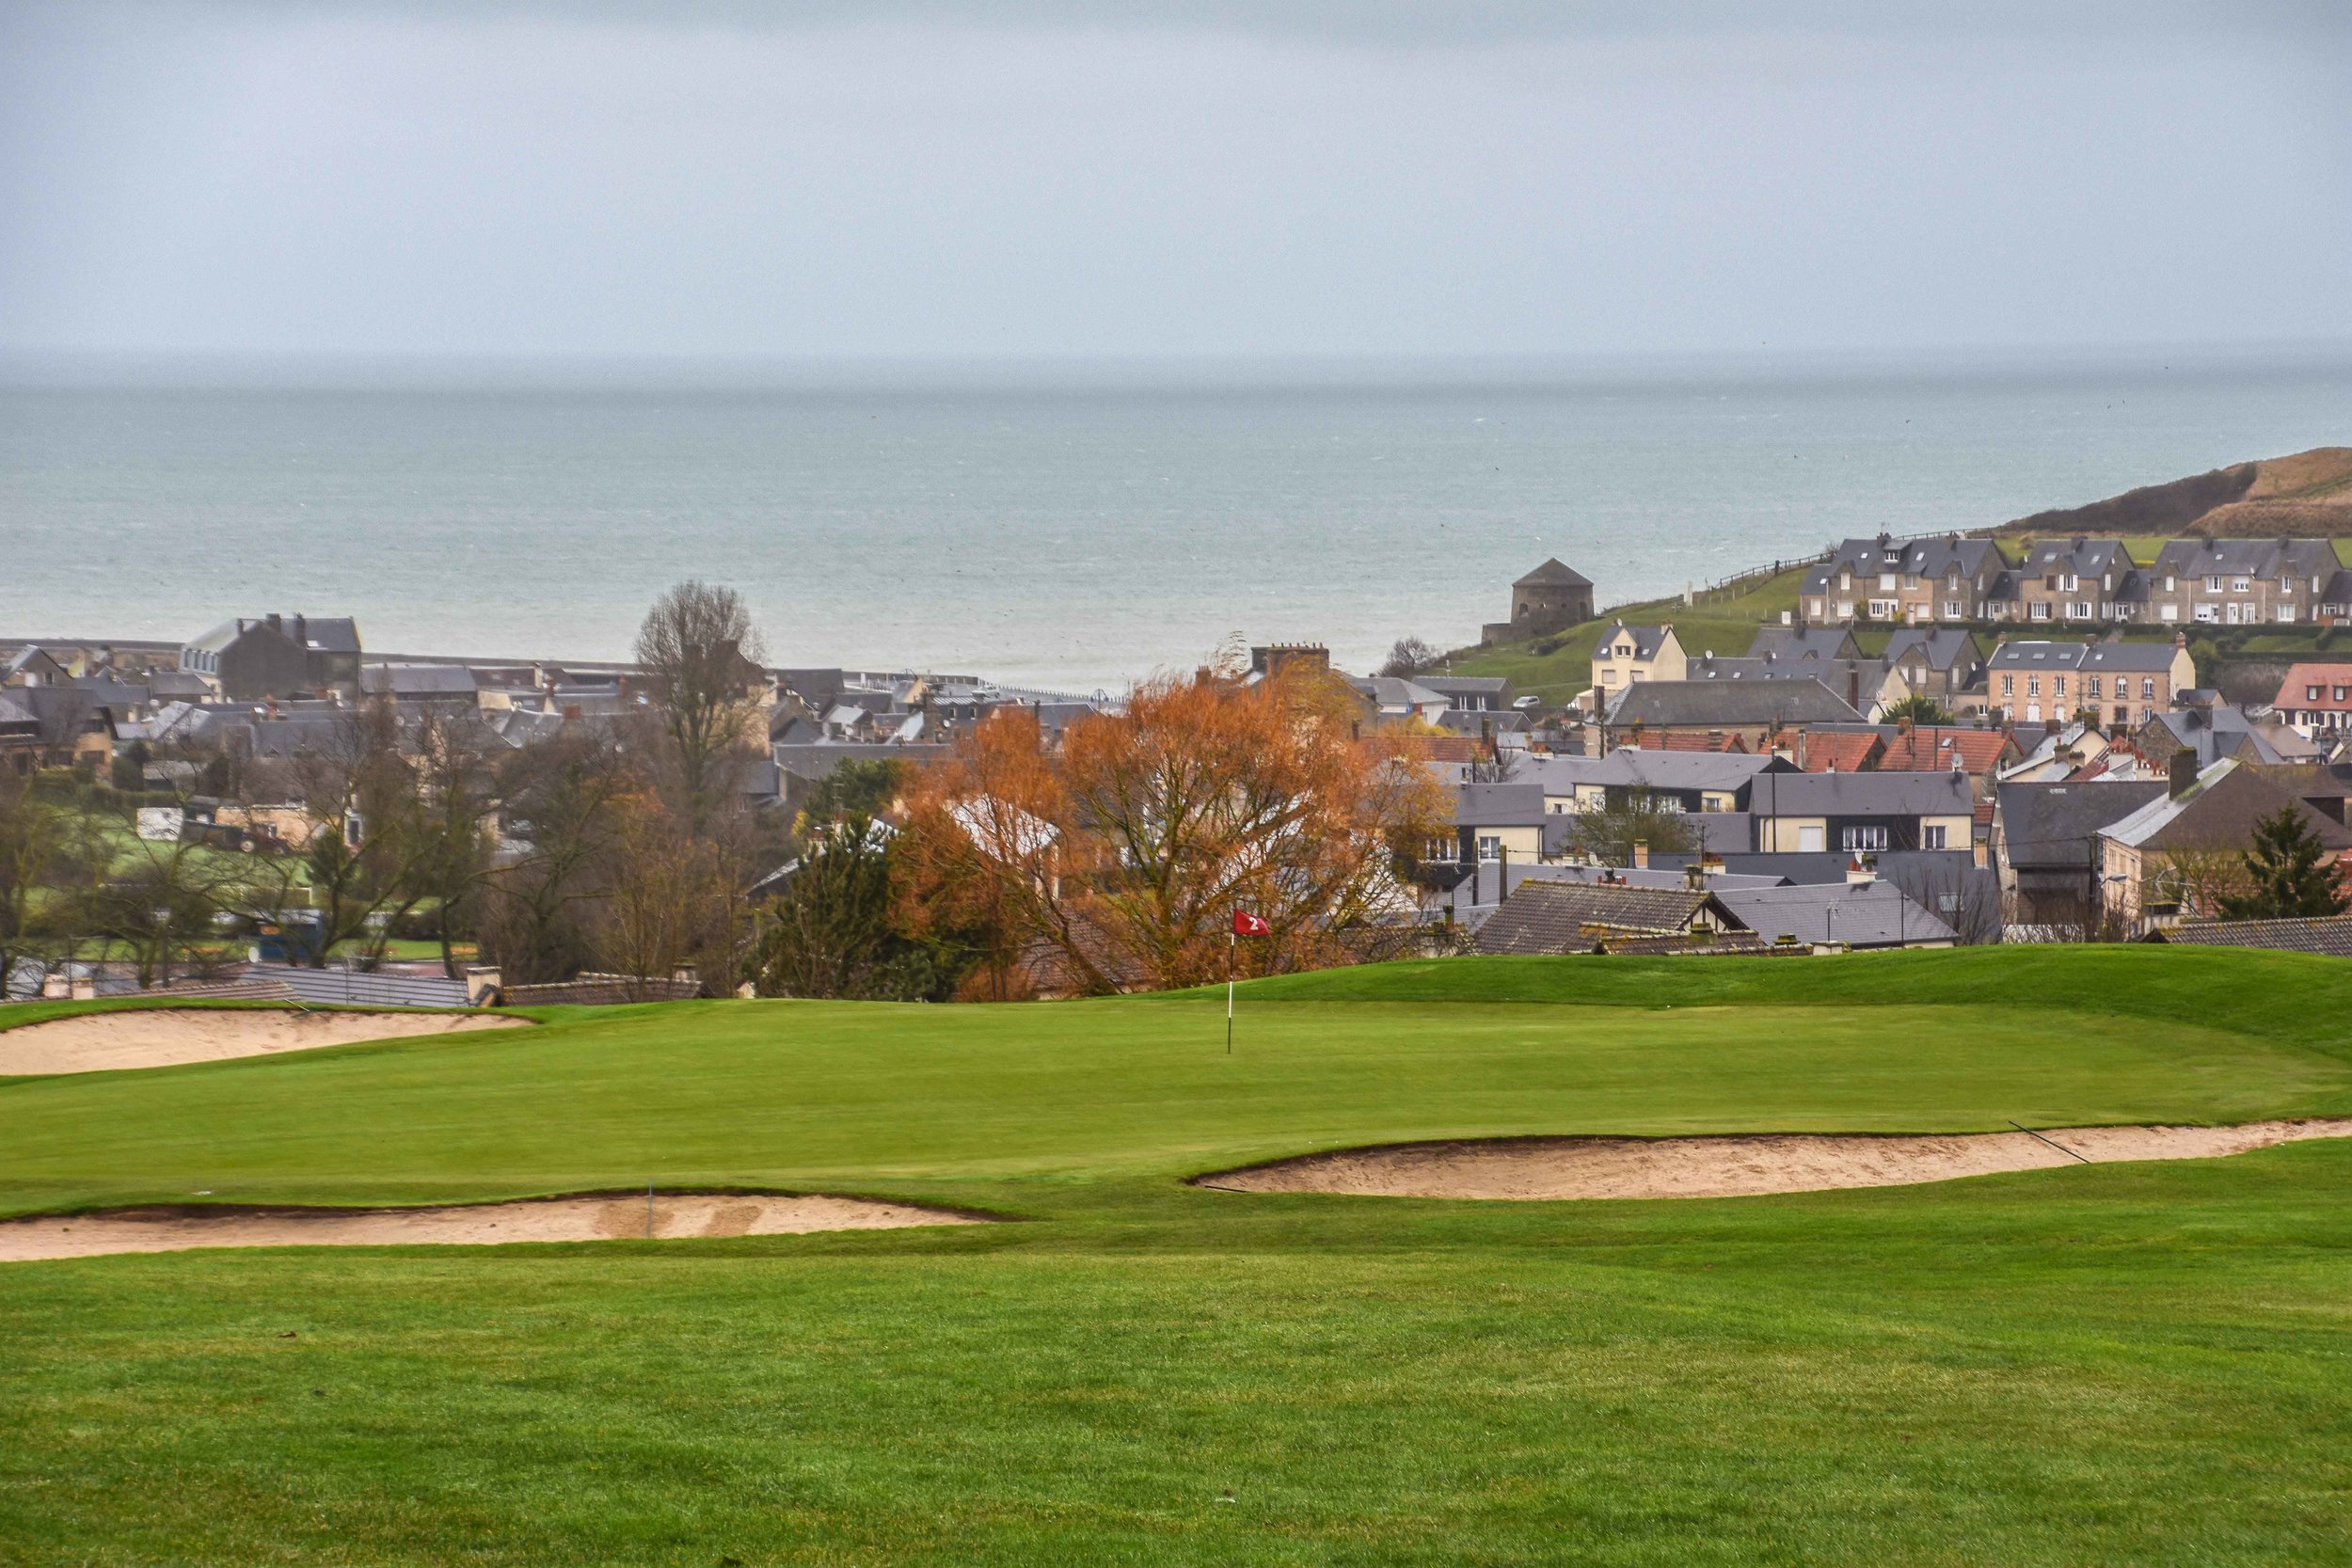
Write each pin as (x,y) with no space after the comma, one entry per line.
(2119,1362)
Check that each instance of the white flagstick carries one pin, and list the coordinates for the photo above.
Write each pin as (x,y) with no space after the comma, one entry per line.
(1233,943)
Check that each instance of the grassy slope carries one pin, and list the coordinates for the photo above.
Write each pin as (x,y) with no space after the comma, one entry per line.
(1726,623)
(2123,1363)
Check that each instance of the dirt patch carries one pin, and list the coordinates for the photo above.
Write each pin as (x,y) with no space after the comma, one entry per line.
(167,1036)
(594,1217)
(1739,1166)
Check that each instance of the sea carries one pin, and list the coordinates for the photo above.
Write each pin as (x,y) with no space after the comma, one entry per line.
(1070,527)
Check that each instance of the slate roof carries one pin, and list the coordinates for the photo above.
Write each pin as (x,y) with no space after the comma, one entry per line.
(2221,807)
(1792,642)
(418,680)
(1646,640)
(2330,935)
(1925,558)
(1876,915)
(2223,730)
(1553,574)
(2045,825)
(1863,795)
(1569,918)
(1729,703)
(2249,557)
(1498,805)
(1944,648)
(1646,769)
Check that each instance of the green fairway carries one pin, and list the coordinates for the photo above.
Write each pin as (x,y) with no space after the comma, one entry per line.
(2123,1363)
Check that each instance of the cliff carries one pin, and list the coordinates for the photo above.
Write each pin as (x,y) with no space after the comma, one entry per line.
(2306,496)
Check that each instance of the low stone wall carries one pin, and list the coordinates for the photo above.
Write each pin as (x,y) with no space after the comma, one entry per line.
(600,990)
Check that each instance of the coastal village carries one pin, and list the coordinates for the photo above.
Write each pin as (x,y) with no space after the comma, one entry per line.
(1929,741)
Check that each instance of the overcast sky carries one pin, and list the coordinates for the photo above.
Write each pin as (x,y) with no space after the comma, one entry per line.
(1202,178)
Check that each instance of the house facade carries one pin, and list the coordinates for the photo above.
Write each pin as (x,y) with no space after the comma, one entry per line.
(1625,654)
(278,656)
(1862,813)
(1912,581)
(2123,685)
(2315,700)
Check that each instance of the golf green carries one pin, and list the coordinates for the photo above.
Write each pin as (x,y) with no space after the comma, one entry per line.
(2147,1363)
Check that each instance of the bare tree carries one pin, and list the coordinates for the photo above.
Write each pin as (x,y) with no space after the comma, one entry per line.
(561,800)
(701,653)
(361,862)
(1408,656)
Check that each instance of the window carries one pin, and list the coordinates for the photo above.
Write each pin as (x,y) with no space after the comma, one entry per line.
(2058,686)
(2123,714)
(2212,585)
(2286,613)
(1865,838)
(1809,839)
(2148,689)
(2033,685)
(2067,582)
(1881,609)
(1490,848)
(2239,585)
(2172,585)
(2335,693)
(2009,686)
(2091,686)
(2076,610)
(1845,609)
(2040,609)
(1955,609)
(2209,613)
(1886,581)
(2167,613)
(1931,837)
(2033,713)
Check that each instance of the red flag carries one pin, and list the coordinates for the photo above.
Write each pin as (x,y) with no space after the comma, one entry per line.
(1247,924)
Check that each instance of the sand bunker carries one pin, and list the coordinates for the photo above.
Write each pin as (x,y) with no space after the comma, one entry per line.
(598,1217)
(167,1036)
(1740,1167)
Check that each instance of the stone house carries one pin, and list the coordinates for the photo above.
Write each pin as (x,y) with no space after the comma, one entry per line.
(1912,581)
(278,656)
(2120,683)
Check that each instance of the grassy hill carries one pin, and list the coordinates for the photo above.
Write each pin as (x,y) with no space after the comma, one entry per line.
(2141,1363)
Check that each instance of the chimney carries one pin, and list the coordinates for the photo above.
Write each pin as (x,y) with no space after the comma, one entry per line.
(1859,875)
(1853,689)
(302,630)
(1694,876)
(276,622)
(1640,854)
(2183,771)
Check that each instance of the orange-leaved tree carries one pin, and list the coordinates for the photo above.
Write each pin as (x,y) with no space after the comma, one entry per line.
(1117,861)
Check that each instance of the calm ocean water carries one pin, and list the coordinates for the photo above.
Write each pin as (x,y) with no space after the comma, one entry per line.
(1059,531)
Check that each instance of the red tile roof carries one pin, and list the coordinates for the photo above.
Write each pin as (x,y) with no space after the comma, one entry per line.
(1837,752)
(1427,748)
(1931,748)
(2329,678)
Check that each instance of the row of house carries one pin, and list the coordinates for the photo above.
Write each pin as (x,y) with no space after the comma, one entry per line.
(1954,579)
